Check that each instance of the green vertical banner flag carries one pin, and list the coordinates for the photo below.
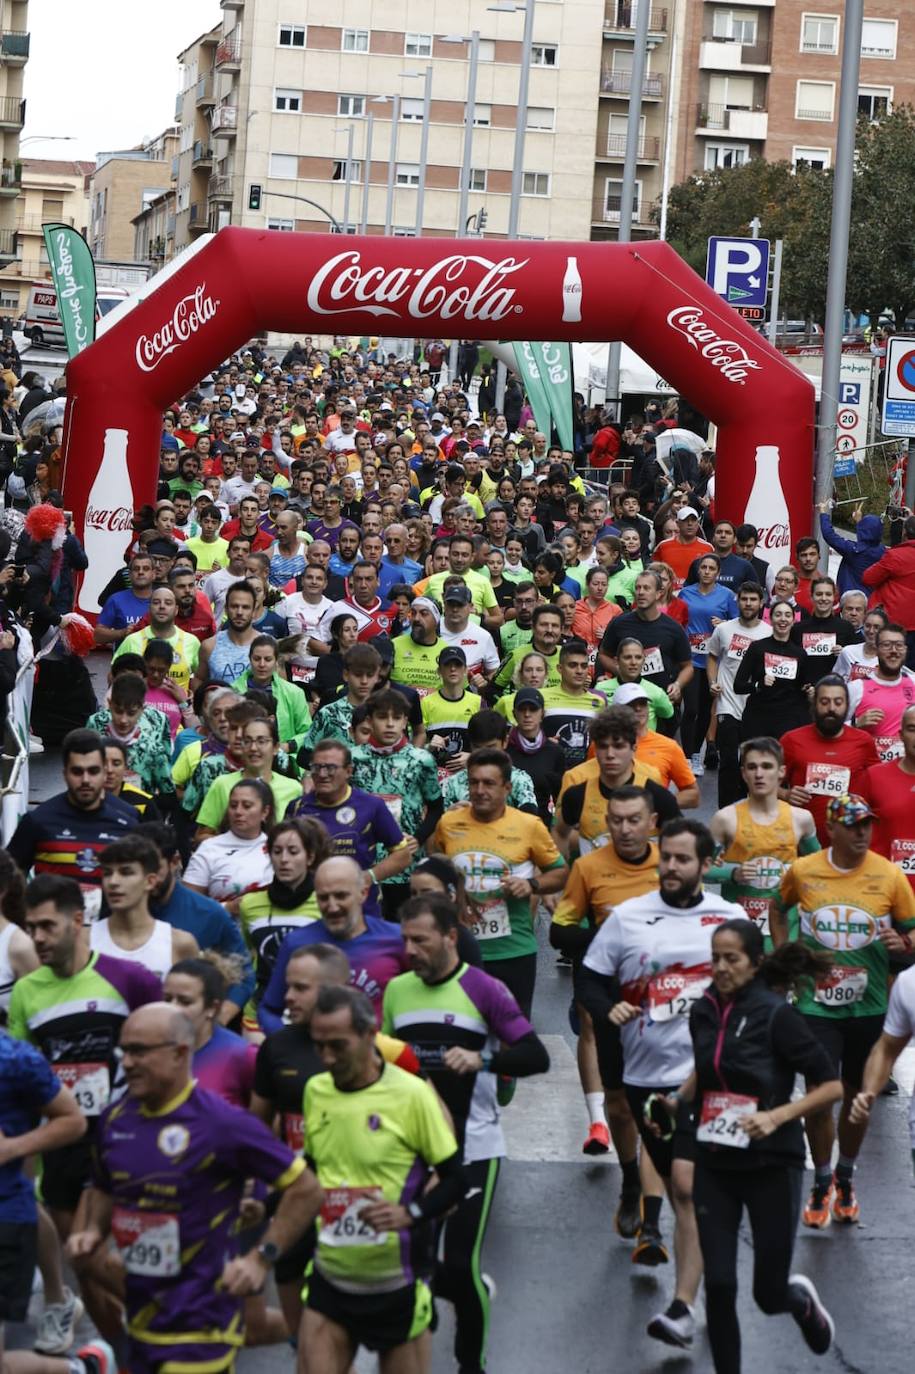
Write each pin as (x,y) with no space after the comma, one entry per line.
(529,372)
(73,272)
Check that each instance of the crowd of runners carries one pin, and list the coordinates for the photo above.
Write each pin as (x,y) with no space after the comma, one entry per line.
(397,695)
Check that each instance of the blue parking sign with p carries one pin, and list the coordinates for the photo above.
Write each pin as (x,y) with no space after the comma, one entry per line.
(738,270)
(849,393)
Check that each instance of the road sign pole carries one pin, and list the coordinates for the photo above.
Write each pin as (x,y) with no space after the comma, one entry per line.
(776,291)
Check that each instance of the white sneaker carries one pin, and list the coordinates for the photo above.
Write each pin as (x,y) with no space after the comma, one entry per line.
(674,1327)
(57,1324)
(697,766)
(35,745)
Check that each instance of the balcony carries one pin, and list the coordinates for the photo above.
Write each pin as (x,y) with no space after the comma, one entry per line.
(724,56)
(33,224)
(202,155)
(232,4)
(11,178)
(203,95)
(12,112)
(620,83)
(228,51)
(606,210)
(620,20)
(224,121)
(649,149)
(9,245)
(14,48)
(716,119)
(197,219)
(220,188)
(820,116)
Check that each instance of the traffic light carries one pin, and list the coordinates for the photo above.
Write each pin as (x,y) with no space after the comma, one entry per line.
(482,217)
(254,197)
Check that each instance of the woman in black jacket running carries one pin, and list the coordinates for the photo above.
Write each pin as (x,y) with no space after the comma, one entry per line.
(749,1044)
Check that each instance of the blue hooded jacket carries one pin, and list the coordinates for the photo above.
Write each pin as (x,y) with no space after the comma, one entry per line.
(856,554)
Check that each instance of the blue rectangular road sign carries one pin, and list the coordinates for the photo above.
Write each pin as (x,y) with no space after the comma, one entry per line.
(844,467)
(738,270)
(899,418)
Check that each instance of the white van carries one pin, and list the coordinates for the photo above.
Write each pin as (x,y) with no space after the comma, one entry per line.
(41,322)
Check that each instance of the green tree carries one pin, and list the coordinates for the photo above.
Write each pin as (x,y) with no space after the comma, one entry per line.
(881,262)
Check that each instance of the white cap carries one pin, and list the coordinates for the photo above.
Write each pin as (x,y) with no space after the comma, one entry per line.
(628,693)
(686,511)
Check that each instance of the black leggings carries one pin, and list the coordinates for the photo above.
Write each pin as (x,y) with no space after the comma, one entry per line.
(772,1197)
(458,1274)
(697,712)
(519,976)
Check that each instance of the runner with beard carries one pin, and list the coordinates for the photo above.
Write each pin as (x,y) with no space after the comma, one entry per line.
(827,758)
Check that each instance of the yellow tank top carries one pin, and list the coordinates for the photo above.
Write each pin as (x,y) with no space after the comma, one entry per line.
(754,841)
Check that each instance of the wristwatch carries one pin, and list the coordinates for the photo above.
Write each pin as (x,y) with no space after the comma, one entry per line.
(534,884)
(269,1253)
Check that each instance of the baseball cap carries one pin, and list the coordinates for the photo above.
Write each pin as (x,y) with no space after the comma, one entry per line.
(460,594)
(628,693)
(686,511)
(438,415)
(528,696)
(452,654)
(849,809)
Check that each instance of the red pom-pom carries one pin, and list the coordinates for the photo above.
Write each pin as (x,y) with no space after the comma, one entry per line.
(43,522)
(76,635)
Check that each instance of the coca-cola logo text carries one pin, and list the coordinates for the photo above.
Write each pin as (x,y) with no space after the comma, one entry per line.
(119,520)
(731,358)
(190,314)
(437,290)
(775,537)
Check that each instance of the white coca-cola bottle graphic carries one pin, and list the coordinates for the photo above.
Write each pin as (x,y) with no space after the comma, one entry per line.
(767,509)
(571,293)
(109,517)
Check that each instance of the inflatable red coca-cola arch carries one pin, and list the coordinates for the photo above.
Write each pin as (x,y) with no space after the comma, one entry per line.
(247,280)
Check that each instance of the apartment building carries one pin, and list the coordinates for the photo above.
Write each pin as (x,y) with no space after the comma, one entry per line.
(760,78)
(50,190)
(14,54)
(123,183)
(192,165)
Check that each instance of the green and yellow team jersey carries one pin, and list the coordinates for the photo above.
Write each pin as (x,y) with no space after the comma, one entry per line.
(505,675)
(378,1143)
(416,665)
(212,812)
(456,791)
(567,719)
(450,719)
(185,647)
(265,926)
(514,636)
(484,598)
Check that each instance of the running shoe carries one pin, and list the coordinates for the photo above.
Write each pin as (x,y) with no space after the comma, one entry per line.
(98,1357)
(650,1250)
(845,1206)
(817,1326)
(676,1326)
(563,961)
(816,1213)
(57,1324)
(598,1139)
(891,1089)
(628,1218)
(697,766)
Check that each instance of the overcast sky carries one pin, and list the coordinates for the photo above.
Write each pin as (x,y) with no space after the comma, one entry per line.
(109,79)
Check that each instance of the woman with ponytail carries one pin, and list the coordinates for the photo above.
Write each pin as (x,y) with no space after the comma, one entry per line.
(749,1044)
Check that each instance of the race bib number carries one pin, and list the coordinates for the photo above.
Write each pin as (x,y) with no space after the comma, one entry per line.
(294,1131)
(90,1084)
(341,1223)
(902,852)
(654,663)
(819,645)
(738,646)
(889,747)
(778,666)
(394,805)
(757,909)
(859,671)
(826,780)
(149,1242)
(719,1122)
(673,993)
(699,644)
(491,920)
(300,673)
(841,988)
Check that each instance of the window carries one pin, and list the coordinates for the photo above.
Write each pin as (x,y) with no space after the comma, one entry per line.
(351,105)
(613,200)
(417,45)
(477,179)
(535,184)
(544,55)
(287,102)
(815,100)
(811,157)
(482,116)
(285,226)
(729,93)
(541,117)
(617,130)
(403,233)
(737,26)
(820,33)
(874,101)
(292,36)
(412,109)
(721,155)
(878,38)
(355,40)
(339,170)
(285,166)
(52,209)
(487,51)
(407,174)
(9,300)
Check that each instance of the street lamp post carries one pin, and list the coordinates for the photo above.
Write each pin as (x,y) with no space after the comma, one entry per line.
(367,171)
(287,195)
(394,102)
(469,113)
(424,151)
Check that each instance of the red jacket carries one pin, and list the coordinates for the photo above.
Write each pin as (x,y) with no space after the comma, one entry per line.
(893,580)
(605,448)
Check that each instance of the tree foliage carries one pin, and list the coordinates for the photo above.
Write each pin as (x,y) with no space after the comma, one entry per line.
(796,206)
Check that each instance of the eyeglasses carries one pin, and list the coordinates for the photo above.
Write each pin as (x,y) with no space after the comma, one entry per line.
(326,767)
(141,1051)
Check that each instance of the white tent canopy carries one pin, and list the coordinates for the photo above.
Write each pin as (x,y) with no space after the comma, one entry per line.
(589,362)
